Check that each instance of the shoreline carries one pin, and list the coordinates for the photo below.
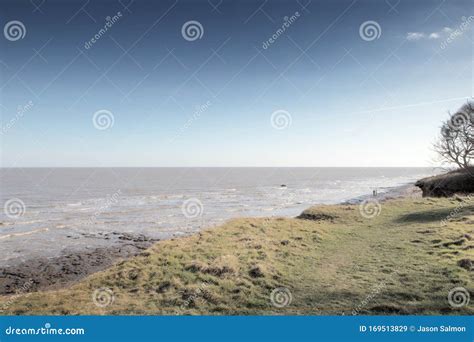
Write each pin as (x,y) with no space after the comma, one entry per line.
(43,274)
(331,260)
(402,191)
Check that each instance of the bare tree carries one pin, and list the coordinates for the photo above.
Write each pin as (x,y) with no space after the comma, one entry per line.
(455,144)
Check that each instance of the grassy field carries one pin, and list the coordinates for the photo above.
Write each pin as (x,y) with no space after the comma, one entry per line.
(335,261)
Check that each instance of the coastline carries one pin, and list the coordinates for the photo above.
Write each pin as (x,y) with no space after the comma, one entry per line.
(42,274)
(390,258)
(402,191)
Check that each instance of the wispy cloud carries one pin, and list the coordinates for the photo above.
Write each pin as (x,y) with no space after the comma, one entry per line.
(412,36)
(415,36)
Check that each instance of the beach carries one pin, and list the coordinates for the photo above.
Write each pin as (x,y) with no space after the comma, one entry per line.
(71,222)
(42,273)
(391,257)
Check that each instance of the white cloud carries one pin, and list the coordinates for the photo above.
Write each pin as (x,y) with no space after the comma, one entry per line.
(415,36)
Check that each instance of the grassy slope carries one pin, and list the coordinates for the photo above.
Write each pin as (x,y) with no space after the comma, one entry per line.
(394,263)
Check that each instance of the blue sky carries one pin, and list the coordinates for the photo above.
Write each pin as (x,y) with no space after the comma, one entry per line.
(345,98)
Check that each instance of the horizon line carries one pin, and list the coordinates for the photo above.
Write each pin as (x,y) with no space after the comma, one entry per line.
(206,167)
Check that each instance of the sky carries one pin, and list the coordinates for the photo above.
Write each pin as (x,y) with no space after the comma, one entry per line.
(230,83)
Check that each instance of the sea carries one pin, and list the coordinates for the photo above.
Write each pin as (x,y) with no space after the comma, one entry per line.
(51,211)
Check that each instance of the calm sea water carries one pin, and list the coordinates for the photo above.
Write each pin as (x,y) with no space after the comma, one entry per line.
(50,211)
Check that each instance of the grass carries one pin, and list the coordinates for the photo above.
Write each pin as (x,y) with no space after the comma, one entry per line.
(403,261)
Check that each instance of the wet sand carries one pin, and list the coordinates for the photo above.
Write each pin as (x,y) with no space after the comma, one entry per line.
(53,273)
